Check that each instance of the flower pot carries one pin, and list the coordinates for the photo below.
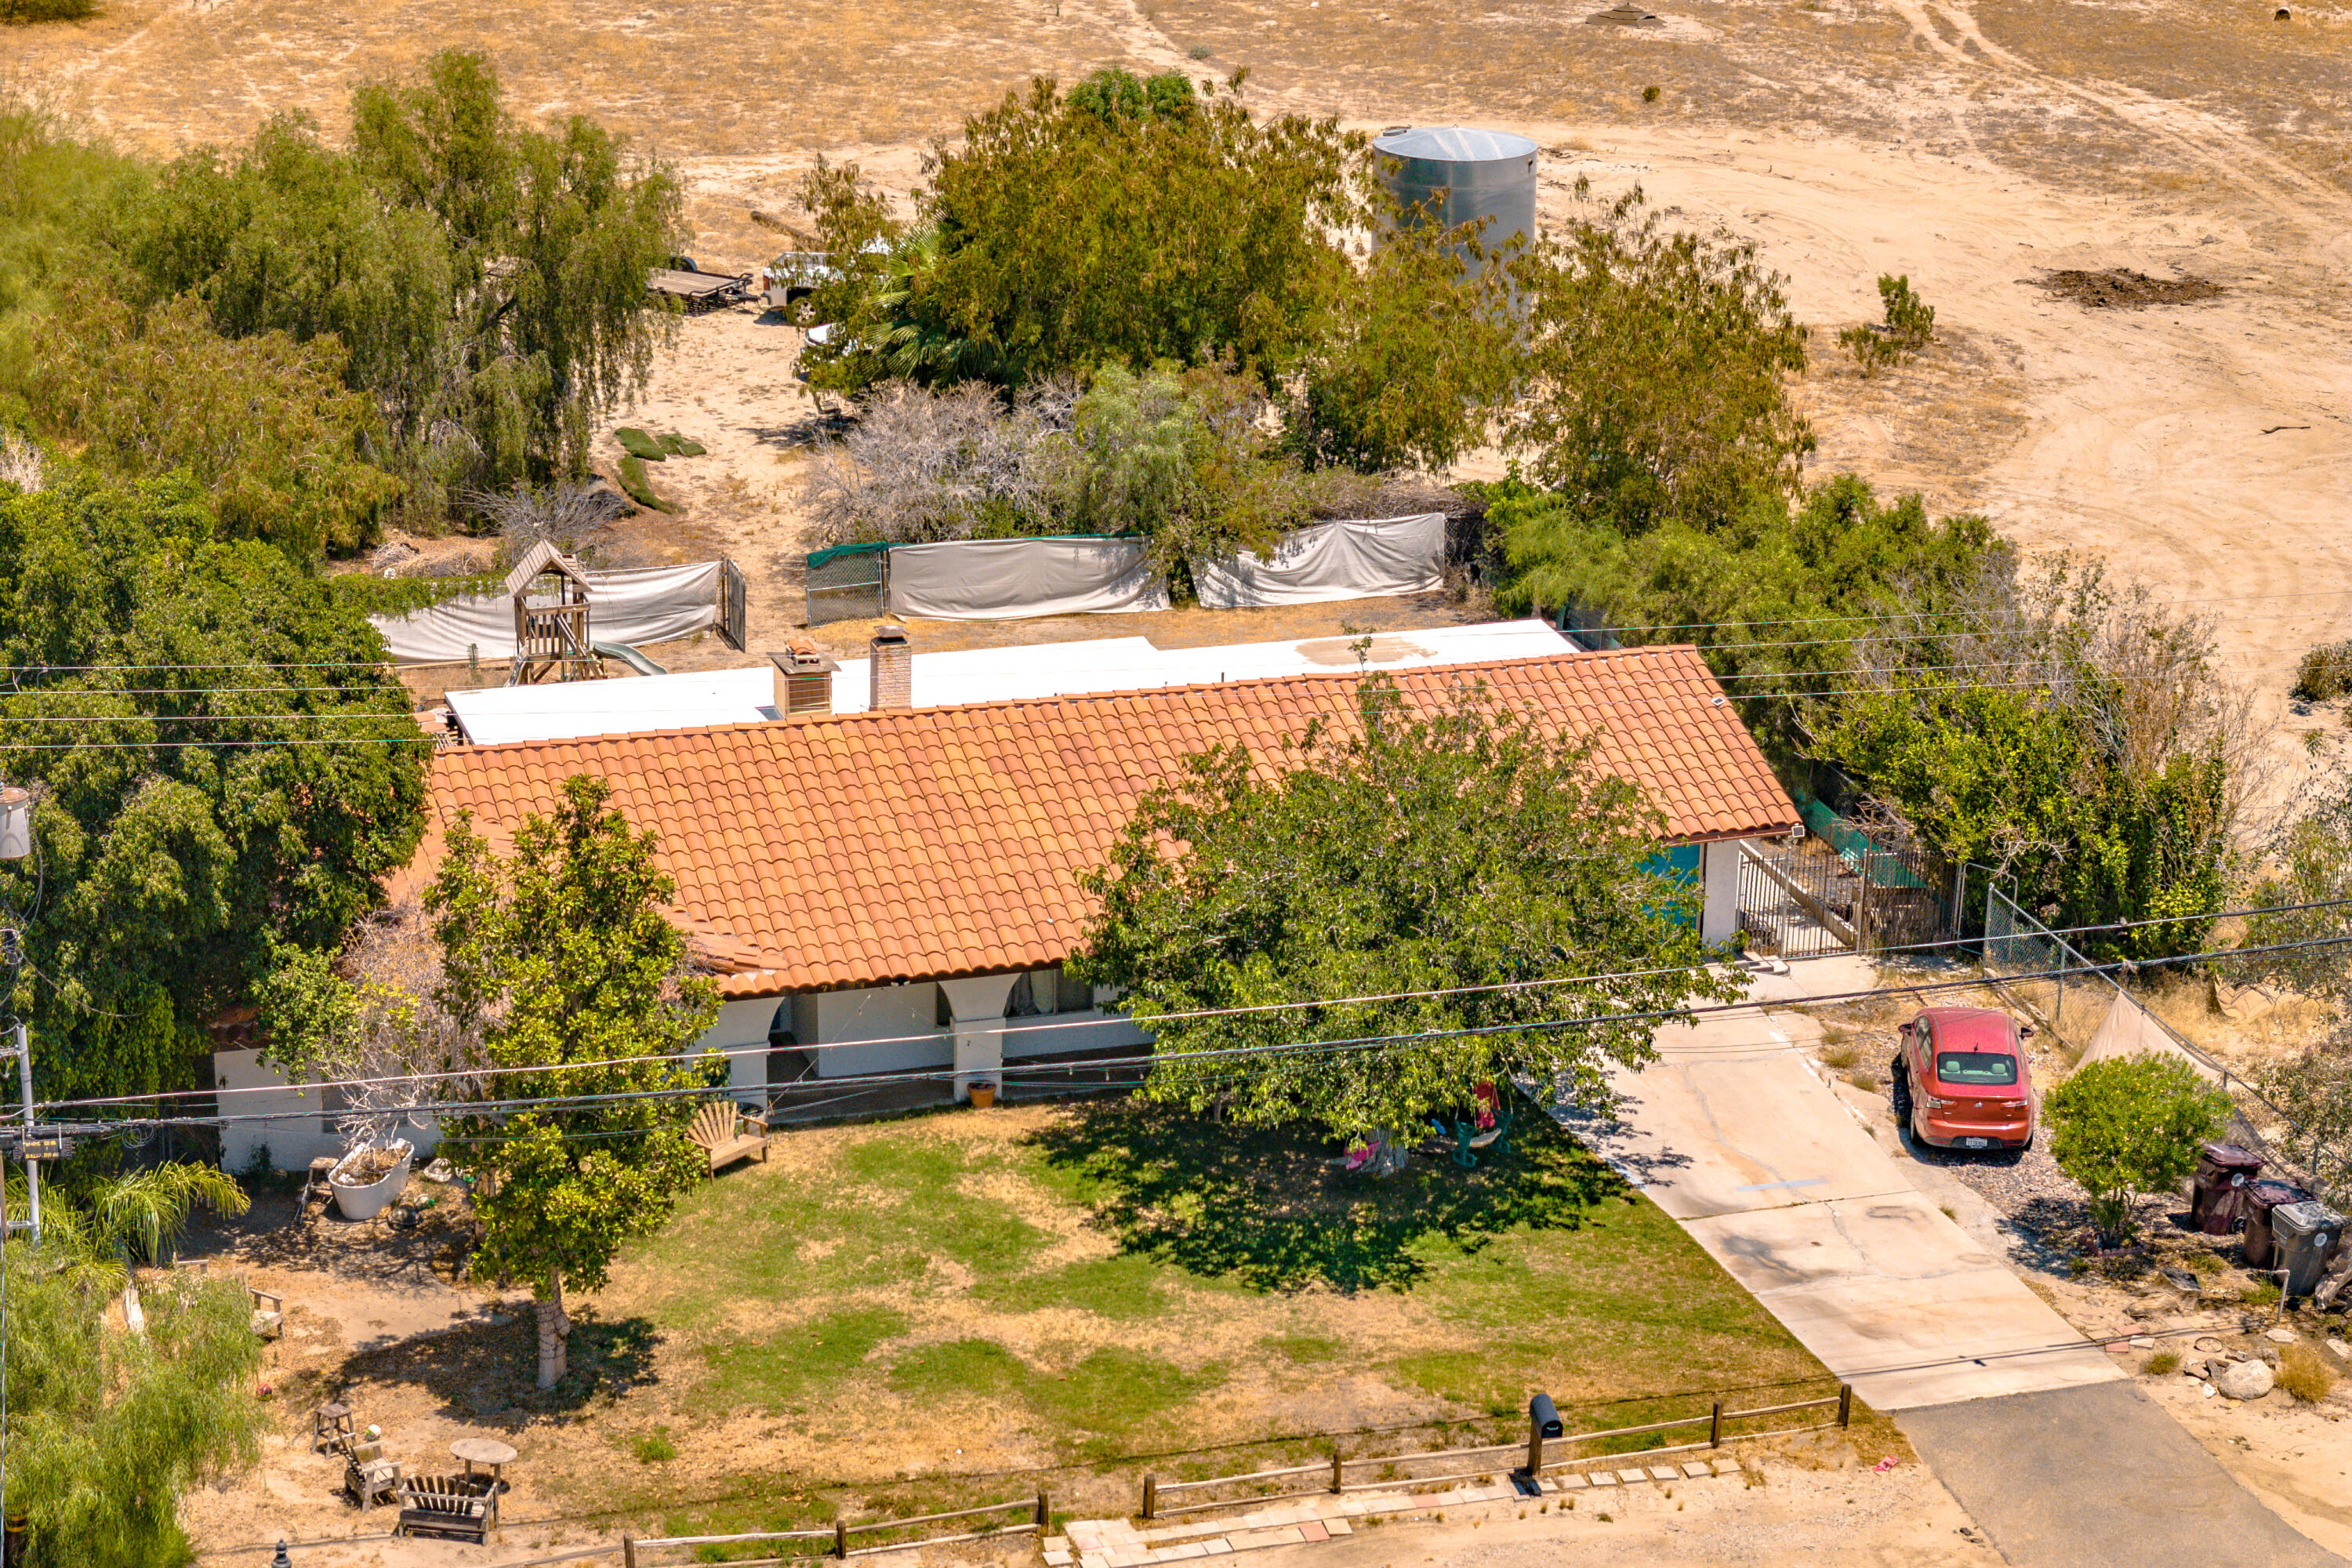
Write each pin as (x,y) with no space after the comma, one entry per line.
(361,1195)
(984,1095)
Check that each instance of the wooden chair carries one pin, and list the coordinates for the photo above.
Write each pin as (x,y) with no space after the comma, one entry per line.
(450,1508)
(369,1478)
(725,1134)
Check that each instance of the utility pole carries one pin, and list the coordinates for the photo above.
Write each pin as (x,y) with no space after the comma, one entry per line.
(23,1051)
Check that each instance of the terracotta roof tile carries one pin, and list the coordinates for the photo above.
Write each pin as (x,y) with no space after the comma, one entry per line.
(864,848)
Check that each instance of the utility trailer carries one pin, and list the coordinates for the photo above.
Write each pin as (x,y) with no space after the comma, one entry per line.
(697,290)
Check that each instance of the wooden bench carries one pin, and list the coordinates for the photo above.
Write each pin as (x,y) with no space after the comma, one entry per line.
(725,1134)
(449,1508)
(268,1313)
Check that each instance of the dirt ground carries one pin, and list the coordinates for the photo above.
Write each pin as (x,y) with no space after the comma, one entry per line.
(1980,147)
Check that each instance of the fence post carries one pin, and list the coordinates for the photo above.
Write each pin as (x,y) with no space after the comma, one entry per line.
(1845,1404)
(840,1538)
(1338,1484)
(1535,1449)
(1715,1427)
(628,1552)
(1045,1514)
(1151,1494)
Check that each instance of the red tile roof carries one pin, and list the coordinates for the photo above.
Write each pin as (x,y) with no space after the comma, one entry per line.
(869,849)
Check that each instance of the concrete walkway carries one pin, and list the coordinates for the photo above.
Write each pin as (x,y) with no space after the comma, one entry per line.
(2085,1478)
(1294,1521)
(1735,1135)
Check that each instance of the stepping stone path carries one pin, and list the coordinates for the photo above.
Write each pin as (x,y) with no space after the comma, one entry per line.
(1125,1543)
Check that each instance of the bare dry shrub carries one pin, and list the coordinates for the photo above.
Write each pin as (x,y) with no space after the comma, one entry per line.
(2305,1374)
(21,465)
(401,1037)
(575,518)
(918,466)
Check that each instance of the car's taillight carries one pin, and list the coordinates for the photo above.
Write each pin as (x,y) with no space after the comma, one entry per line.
(1933,1103)
(2012,1105)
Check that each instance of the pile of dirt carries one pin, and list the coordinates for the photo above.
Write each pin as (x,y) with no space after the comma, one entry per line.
(2121,287)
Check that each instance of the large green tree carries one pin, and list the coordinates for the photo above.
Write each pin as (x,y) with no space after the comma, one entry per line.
(219,756)
(1125,221)
(107,1429)
(1455,848)
(2130,1125)
(1657,368)
(486,278)
(558,955)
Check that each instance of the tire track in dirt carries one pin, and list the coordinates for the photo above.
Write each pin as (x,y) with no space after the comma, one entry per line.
(2227,154)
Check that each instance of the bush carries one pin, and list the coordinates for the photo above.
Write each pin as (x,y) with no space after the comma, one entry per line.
(1909,328)
(2163,1363)
(2130,1125)
(19,12)
(2304,1372)
(2326,673)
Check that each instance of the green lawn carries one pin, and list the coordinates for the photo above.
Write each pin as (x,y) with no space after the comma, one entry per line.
(1079,1290)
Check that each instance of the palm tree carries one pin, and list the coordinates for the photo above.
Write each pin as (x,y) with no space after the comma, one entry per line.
(101,1225)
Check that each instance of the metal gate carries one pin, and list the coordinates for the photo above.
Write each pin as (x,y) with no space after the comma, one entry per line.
(734,614)
(848,583)
(1854,894)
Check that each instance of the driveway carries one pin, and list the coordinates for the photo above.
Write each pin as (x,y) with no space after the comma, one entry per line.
(2086,1477)
(1734,1133)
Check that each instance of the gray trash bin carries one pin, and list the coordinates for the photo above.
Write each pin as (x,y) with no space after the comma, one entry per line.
(2307,1234)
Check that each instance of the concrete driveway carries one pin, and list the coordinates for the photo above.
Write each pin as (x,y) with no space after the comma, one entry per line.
(1735,1135)
(2086,1477)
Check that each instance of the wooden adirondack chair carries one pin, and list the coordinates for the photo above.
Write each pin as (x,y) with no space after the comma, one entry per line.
(725,1134)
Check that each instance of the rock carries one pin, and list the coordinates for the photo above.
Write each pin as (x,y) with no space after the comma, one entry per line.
(2282,1336)
(2193,1369)
(2181,1279)
(2246,1380)
(2209,1391)
(2143,1310)
(2142,1342)
(2338,1347)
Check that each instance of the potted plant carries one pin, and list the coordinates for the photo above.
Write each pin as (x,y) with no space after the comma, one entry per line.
(982,1091)
(371,1176)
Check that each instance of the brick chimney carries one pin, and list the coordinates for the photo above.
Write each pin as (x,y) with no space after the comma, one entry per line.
(804,678)
(892,662)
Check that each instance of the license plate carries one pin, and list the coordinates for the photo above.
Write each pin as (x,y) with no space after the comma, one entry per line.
(1976,1142)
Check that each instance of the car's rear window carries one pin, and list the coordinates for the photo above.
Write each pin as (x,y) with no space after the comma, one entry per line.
(1976,1066)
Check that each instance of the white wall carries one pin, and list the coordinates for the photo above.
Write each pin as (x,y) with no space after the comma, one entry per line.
(904,1022)
(742,1028)
(297,1130)
(1718,920)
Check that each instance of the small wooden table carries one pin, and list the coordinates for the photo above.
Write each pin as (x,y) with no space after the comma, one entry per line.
(486,1452)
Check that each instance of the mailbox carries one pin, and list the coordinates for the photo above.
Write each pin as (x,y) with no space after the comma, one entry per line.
(1544,1417)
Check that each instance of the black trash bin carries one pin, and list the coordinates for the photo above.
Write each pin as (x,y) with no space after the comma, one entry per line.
(2308,1234)
(2223,1170)
(2257,1201)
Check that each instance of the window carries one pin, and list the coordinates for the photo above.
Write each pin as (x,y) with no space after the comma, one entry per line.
(943,1011)
(1072,995)
(1976,1066)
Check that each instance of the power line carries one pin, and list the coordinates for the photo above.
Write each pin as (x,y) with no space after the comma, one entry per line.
(1026,1030)
(685,1060)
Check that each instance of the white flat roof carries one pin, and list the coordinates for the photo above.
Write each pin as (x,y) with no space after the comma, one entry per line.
(698,698)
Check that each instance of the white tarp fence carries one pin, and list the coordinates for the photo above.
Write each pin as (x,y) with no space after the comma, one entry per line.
(1007,579)
(651,605)
(1330,560)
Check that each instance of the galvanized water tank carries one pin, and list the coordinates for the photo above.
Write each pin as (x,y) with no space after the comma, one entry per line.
(1455,174)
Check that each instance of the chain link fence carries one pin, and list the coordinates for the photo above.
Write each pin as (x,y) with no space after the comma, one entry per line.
(848,583)
(2075,999)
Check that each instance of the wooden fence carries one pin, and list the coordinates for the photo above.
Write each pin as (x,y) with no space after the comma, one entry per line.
(837,1538)
(1155,1491)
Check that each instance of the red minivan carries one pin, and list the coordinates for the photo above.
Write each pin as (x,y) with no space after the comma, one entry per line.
(1961,1080)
